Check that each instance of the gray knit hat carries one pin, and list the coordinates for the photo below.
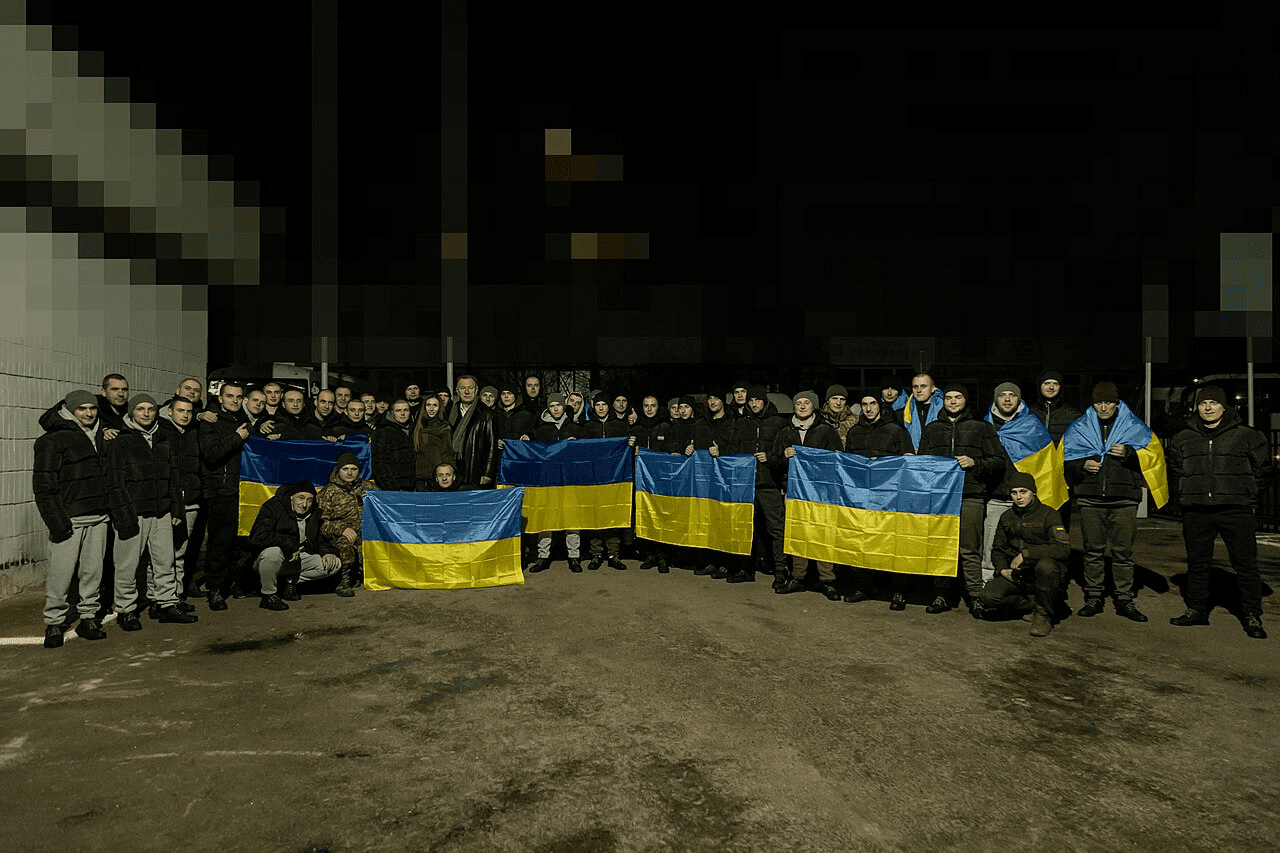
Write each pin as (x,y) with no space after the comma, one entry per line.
(807,395)
(135,402)
(555,397)
(837,391)
(76,399)
(1007,386)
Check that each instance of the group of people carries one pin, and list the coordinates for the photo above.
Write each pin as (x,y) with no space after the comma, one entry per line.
(146,482)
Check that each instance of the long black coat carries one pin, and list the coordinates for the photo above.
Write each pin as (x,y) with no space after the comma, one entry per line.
(479,454)
(69,478)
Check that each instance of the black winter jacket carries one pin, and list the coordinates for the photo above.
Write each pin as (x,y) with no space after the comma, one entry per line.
(1035,532)
(653,433)
(1117,480)
(480,454)
(69,477)
(610,428)
(682,433)
(883,437)
(1057,416)
(184,453)
(753,434)
(548,431)
(717,431)
(277,526)
(148,472)
(394,460)
(820,435)
(1228,465)
(292,427)
(220,445)
(343,427)
(515,423)
(965,435)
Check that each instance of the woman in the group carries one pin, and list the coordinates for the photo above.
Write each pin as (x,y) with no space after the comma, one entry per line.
(433,442)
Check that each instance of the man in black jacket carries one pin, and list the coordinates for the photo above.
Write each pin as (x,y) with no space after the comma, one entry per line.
(140,457)
(220,443)
(972,443)
(76,499)
(289,422)
(475,436)
(755,433)
(1108,490)
(556,425)
(324,418)
(351,423)
(113,403)
(1056,414)
(1030,556)
(184,450)
(1220,466)
(394,460)
(806,429)
(513,421)
(878,433)
(286,534)
(606,423)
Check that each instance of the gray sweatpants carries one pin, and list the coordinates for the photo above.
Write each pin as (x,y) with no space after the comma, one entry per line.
(271,561)
(995,509)
(85,548)
(156,535)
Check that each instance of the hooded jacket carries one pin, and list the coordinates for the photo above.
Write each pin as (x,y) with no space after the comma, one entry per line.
(1228,465)
(184,454)
(394,462)
(882,437)
(820,435)
(753,434)
(653,433)
(147,470)
(1118,481)
(220,445)
(341,505)
(1054,414)
(965,435)
(277,526)
(516,422)
(292,427)
(610,427)
(1034,531)
(343,427)
(69,478)
(550,430)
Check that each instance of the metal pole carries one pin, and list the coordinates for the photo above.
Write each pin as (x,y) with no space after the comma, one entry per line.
(448,362)
(1146,403)
(1248,355)
(324,362)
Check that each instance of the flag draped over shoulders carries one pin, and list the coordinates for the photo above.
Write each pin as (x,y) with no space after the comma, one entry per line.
(266,465)
(896,513)
(1032,450)
(698,500)
(1083,439)
(441,540)
(584,484)
(911,417)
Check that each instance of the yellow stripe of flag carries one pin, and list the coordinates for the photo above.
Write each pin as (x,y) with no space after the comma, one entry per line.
(695,522)
(909,543)
(451,566)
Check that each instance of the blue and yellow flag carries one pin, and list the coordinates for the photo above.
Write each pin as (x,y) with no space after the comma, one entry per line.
(1031,449)
(441,540)
(911,416)
(702,501)
(266,465)
(584,484)
(1083,439)
(896,513)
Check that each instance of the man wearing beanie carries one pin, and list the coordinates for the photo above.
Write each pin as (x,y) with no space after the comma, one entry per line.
(286,534)
(1108,489)
(807,430)
(140,459)
(737,400)
(1220,466)
(755,433)
(1030,555)
(877,433)
(341,503)
(220,444)
(922,408)
(76,501)
(556,425)
(972,443)
(1056,414)
(605,423)
(1006,402)
(837,412)
(714,434)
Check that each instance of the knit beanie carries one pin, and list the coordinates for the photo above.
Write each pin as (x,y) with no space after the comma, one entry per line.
(1007,386)
(956,386)
(718,396)
(134,402)
(688,400)
(301,488)
(741,383)
(890,381)
(757,392)
(873,393)
(347,459)
(807,395)
(1211,392)
(508,387)
(1046,375)
(600,397)
(837,391)
(555,397)
(1106,392)
(488,389)
(76,399)
(674,401)
(1022,480)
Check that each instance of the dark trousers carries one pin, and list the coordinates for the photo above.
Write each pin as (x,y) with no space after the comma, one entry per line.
(770,520)
(224,518)
(1201,527)
(972,511)
(1117,527)
(1046,579)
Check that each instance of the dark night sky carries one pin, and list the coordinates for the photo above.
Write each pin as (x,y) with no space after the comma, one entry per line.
(1008,192)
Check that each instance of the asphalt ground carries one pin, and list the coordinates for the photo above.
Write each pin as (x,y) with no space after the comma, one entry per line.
(632,711)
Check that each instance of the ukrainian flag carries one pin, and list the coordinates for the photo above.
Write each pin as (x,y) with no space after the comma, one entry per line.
(266,465)
(702,501)
(441,540)
(584,484)
(1031,449)
(911,417)
(1083,439)
(896,513)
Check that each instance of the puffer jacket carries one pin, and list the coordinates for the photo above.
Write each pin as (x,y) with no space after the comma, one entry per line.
(1035,532)
(965,435)
(609,428)
(717,431)
(70,477)
(1229,465)
(277,526)
(184,451)
(1117,480)
(394,462)
(1056,415)
(753,434)
(514,423)
(820,435)
(341,505)
(148,472)
(653,433)
(882,437)
(220,454)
